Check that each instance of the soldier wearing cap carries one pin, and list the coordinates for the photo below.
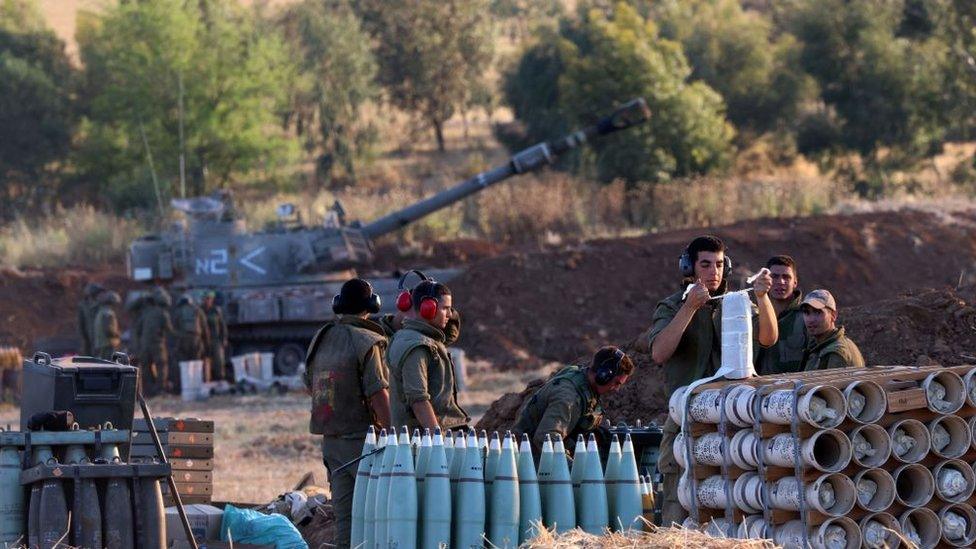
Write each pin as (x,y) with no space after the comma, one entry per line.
(348,379)
(106,336)
(218,336)
(829,347)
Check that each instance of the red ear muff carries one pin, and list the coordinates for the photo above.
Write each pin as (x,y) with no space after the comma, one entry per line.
(403,301)
(428,308)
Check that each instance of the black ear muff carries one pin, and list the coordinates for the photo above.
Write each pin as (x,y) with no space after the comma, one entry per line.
(337,304)
(374,304)
(608,369)
(685,266)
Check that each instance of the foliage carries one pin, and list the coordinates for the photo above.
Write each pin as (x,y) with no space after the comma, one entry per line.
(337,77)
(207,70)
(433,54)
(886,89)
(739,54)
(36,115)
(603,59)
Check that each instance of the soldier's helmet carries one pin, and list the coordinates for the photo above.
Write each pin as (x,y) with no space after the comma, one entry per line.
(186,298)
(92,289)
(109,297)
(161,297)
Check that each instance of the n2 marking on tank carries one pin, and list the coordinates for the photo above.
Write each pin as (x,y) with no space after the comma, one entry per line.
(215,264)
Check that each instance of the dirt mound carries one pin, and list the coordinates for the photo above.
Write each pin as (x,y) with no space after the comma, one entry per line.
(919,327)
(559,304)
(37,304)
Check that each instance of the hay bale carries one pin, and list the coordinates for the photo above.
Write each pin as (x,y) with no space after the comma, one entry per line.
(656,538)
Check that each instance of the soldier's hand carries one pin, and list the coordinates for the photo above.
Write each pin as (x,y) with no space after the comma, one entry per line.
(697,296)
(762,284)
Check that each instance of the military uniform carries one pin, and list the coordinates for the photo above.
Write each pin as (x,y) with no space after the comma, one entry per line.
(698,355)
(107,338)
(217,328)
(345,368)
(137,309)
(565,405)
(421,369)
(86,317)
(191,334)
(156,325)
(786,355)
(835,351)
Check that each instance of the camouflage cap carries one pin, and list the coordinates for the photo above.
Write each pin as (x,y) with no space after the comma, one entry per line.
(209,293)
(820,299)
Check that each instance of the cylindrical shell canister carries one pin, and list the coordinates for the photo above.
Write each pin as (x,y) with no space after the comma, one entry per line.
(871,445)
(747,493)
(950,436)
(706,450)
(972,432)
(706,406)
(831,494)
(910,440)
(828,450)
(880,531)
(958,523)
(954,480)
(875,489)
(921,527)
(753,527)
(837,532)
(914,485)
(866,401)
(945,392)
(969,380)
(744,449)
(711,492)
(821,406)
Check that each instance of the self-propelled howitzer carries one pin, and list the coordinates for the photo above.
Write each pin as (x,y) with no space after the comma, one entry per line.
(276,285)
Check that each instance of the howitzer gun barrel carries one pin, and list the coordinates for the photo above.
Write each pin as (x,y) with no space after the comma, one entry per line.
(632,113)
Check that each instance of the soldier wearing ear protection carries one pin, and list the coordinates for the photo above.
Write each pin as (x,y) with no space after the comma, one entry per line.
(569,403)
(393,322)
(423,386)
(348,378)
(685,338)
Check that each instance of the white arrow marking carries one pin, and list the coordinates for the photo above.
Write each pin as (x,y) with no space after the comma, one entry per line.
(246,261)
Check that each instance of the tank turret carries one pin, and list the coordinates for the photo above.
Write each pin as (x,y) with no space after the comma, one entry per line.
(271,281)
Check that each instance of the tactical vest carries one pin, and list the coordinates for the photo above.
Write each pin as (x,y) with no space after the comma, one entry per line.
(185,320)
(334,375)
(442,385)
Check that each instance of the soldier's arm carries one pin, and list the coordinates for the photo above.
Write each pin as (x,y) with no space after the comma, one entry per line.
(205,328)
(560,416)
(415,387)
(111,326)
(768,324)
(376,387)
(667,329)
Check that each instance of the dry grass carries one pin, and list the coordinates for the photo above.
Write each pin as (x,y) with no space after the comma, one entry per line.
(658,538)
(78,235)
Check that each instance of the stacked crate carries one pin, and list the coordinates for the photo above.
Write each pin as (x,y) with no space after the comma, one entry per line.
(189,448)
(897,455)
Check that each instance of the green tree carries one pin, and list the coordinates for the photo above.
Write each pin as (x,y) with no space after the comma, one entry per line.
(886,89)
(433,54)
(337,78)
(37,117)
(602,59)
(738,53)
(203,81)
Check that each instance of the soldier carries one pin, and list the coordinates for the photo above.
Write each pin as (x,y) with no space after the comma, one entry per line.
(787,354)
(218,336)
(685,338)
(569,403)
(348,379)
(106,338)
(86,316)
(422,382)
(191,334)
(156,325)
(828,346)
(137,309)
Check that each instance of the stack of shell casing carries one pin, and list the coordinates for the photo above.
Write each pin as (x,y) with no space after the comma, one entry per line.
(465,490)
(839,458)
(70,488)
(188,445)
(11,368)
